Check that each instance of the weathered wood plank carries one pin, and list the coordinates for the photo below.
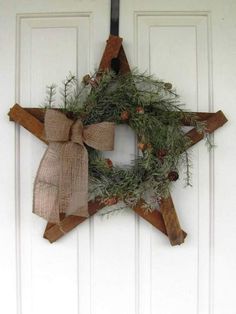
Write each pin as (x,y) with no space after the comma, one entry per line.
(111,51)
(40,112)
(54,232)
(213,122)
(174,231)
(28,121)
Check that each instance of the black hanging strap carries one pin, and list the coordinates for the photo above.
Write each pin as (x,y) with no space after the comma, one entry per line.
(114,30)
(115,11)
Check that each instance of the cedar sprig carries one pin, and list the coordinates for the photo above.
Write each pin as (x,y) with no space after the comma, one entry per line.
(67,88)
(50,96)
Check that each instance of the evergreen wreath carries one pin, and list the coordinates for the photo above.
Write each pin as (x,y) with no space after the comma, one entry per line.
(152,109)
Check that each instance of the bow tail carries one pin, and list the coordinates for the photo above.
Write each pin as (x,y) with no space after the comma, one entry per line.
(73,180)
(46,185)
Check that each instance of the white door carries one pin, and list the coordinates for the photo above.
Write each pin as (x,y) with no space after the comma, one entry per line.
(120,264)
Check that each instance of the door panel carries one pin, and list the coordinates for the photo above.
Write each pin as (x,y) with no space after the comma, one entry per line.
(185,42)
(49,47)
(40,43)
(174,47)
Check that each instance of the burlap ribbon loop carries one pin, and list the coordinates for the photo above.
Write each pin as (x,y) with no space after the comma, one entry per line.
(61,184)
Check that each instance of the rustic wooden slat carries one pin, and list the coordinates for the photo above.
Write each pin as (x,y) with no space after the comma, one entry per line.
(111,51)
(40,112)
(174,231)
(124,65)
(28,121)
(55,231)
(51,224)
(153,217)
(215,121)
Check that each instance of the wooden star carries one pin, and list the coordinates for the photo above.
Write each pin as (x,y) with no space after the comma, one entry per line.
(165,218)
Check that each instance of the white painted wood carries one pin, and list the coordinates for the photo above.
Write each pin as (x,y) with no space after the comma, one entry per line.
(172,57)
(173,47)
(9,268)
(37,277)
(120,264)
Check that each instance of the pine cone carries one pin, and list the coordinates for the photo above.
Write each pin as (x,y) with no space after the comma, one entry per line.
(86,79)
(140,110)
(173,176)
(109,163)
(124,115)
(168,86)
(161,153)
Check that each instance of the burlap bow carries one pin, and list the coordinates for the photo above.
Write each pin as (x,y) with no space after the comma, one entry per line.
(61,184)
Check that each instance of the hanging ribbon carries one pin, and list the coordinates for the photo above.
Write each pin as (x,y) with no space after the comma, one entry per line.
(61,184)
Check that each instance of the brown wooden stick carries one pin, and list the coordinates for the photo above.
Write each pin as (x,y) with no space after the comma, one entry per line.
(153,217)
(51,224)
(28,121)
(174,231)
(124,65)
(111,51)
(39,112)
(55,231)
(213,122)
